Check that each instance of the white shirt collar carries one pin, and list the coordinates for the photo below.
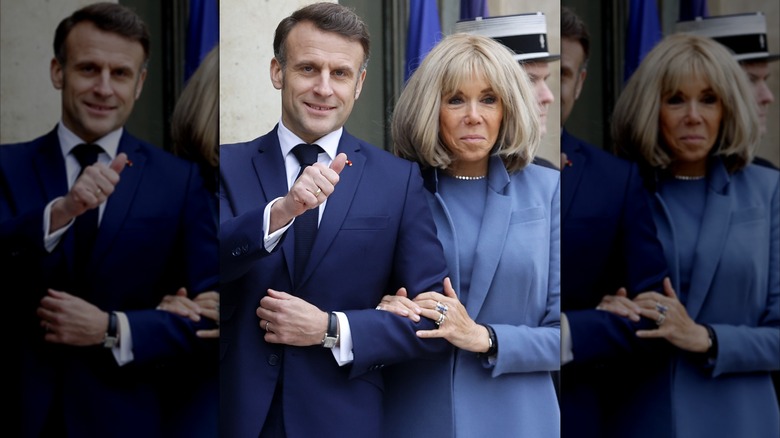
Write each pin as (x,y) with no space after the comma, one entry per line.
(69,140)
(329,143)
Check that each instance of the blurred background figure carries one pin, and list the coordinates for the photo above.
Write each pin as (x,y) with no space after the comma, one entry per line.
(687,116)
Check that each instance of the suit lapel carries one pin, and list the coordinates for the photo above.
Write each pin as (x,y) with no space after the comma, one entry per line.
(272,177)
(338,203)
(492,232)
(711,240)
(120,202)
(571,175)
(50,166)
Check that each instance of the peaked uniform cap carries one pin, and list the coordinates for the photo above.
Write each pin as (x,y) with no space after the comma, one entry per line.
(524,34)
(743,34)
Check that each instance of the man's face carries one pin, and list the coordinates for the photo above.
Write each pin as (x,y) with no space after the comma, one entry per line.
(758,73)
(102,77)
(320,83)
(538,72)
(572,75)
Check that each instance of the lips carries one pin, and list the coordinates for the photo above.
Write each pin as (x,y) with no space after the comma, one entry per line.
(98,107)
(319,107)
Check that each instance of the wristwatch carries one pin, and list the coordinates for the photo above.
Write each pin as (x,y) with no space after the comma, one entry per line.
(332,335)
(111,339)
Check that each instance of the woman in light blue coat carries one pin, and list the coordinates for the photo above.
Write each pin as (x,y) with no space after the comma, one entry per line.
(688,118)
(468,116)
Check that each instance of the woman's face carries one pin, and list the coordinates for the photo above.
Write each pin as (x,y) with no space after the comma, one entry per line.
(469,122)
(690,120)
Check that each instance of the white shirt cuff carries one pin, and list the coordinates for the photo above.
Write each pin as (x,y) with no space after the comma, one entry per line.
(270,240)
(567,351)
(342,352)
(50,241)
(123,353)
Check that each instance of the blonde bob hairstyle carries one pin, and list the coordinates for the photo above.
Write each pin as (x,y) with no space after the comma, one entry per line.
(676,59)
(456,60)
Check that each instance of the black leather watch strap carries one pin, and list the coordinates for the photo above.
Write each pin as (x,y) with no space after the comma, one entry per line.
(110,340)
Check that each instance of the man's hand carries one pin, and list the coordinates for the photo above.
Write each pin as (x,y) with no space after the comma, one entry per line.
(70,320)
(310,190)
(289,320)
(91,189)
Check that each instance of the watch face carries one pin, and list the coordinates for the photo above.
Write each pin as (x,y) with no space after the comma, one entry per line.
(329,342)
(110,342)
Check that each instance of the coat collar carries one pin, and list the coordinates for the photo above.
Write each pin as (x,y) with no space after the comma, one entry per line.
(490,240)
(713,233)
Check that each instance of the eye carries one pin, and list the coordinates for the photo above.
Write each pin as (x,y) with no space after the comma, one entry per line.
(710,99)
(339,73)
(455,100)
(674,99)
(489,100)
(307,69)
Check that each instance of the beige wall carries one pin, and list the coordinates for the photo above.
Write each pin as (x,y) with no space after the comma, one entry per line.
(249,105)
(26,36)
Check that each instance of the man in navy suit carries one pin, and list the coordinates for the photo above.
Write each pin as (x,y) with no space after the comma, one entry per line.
(90,245)
(302,344)
(608,242)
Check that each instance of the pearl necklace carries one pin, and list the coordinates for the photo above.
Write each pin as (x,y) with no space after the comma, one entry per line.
(469,178)
(689,178)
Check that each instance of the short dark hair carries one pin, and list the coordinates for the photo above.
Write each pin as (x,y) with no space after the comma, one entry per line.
(327,17)
(574,28)
(108,17)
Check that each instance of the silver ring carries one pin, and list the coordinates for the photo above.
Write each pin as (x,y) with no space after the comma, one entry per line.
(660,320)
(98,191)
(266,325)
(317,193)
(441,308)
(661,308)
(379,307)
(441,319)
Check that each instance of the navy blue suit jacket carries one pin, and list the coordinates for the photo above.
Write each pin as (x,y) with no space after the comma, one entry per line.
(608,241)
(156,234)
(376,235)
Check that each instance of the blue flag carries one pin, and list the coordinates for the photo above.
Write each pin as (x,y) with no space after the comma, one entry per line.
(471,9)
(424,32)
(644,31)
(202,33)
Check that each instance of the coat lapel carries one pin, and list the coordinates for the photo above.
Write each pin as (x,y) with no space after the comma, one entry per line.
(119,203)
(490,243)
(712,238)
(272,177)
(338,203)
(570,175)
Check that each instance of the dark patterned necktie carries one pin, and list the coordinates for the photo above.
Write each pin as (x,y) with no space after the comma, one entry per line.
(86,225)
(305,225)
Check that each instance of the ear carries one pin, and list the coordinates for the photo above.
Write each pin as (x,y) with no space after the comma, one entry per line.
(55,70)
(359,85)
(277,76)
(140,84)
(583,74)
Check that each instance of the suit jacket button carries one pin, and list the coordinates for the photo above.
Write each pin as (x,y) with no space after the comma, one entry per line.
(236,252)
(273,360)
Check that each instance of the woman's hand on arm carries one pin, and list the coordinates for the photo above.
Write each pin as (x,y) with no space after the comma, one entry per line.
(456,326)
(674,323)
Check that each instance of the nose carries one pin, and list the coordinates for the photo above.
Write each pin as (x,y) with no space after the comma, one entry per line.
(544,96)
(764,95)
(322,87)
(103,83)
(692,114)
(472,114)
